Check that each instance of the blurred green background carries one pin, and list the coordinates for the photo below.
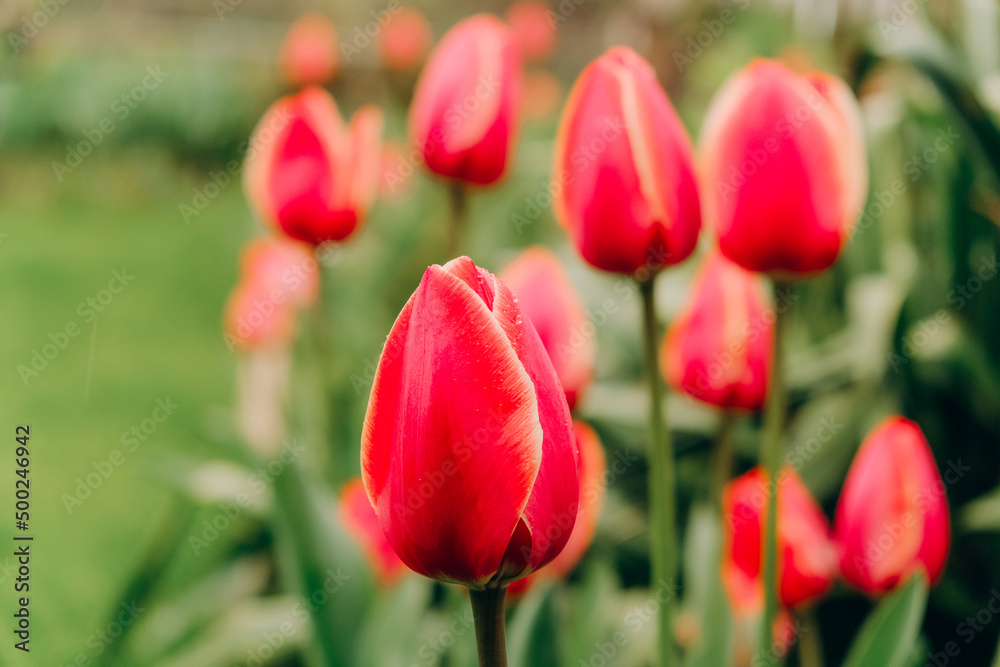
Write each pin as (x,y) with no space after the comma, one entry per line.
(865,340)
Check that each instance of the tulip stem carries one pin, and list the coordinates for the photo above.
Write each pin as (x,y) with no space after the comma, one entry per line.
(770,454)
(662,495)
(459,198)
(487,612)
(810,644)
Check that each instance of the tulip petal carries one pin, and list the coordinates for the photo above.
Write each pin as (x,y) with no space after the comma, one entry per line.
(460,477)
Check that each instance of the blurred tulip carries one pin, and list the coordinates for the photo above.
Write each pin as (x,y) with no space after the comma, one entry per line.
(255,319)
(405,40)
(392,184)
(308,53)
(892,516)
(785,172)
(542,93)
(807,560)
(283,268)
(547,298)
(464,114)
(361,522)
(309,175)
(629,198)
(468,453)
(593,468)
(534,31)
(719,348)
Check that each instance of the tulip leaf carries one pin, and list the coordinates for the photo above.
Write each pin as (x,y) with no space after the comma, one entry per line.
(888,636)
(532,631)
(705,598)
(391,633)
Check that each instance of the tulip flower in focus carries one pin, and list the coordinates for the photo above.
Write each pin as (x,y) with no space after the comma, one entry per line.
(547,298)
(719,348)
(593,467)
(784,169)
(629,198)
(308,174)
(533,30)
(892,516)
(360,521)
(807,559)
(468,453)
(405,40)
(309,54)
(464,115)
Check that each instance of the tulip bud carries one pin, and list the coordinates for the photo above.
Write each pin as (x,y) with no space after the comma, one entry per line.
(719,347)
(360,520)
(534,33)
(785,173)
(405,40)
(283,268)
(468,454)
(547,298)
(629,198)
(308,53)
(807,560)
(307,174)
(892,516)
(254,319)
(593,484)
(464,114)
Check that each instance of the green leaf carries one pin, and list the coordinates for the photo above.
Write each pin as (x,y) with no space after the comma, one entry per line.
(888,636)
(705,597)
(533,631)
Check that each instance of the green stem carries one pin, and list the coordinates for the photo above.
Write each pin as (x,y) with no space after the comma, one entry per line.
(810,646)
(662,495)
(459,200)
(723,455)
(774,422)
(487,612)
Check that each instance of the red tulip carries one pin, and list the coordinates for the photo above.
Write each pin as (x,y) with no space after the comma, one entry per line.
(405,40)
(807,560)
(593,468)
(309,53)
(309,175)
(785,172)
(547,298)
(533,30)
(629,198)
(892,517)
(361,522)
(464,114)
(719,349)
(468,453)
(285,269)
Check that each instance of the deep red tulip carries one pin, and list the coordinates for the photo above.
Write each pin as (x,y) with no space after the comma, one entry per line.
(547,298)
(807,559)
(285,269)
(892,517)
(719,348)
(784,167)
(307,173)
(533,28)
(309,53)
(593,468)
(464,115)
(468,453)
(405,40)
(361,522)
(629,198)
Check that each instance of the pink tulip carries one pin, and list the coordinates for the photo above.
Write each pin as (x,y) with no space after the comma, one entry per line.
(548,299)
(785,173)
(307,174)
(309,54)
(628,195)
(464,115)
(892,517)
